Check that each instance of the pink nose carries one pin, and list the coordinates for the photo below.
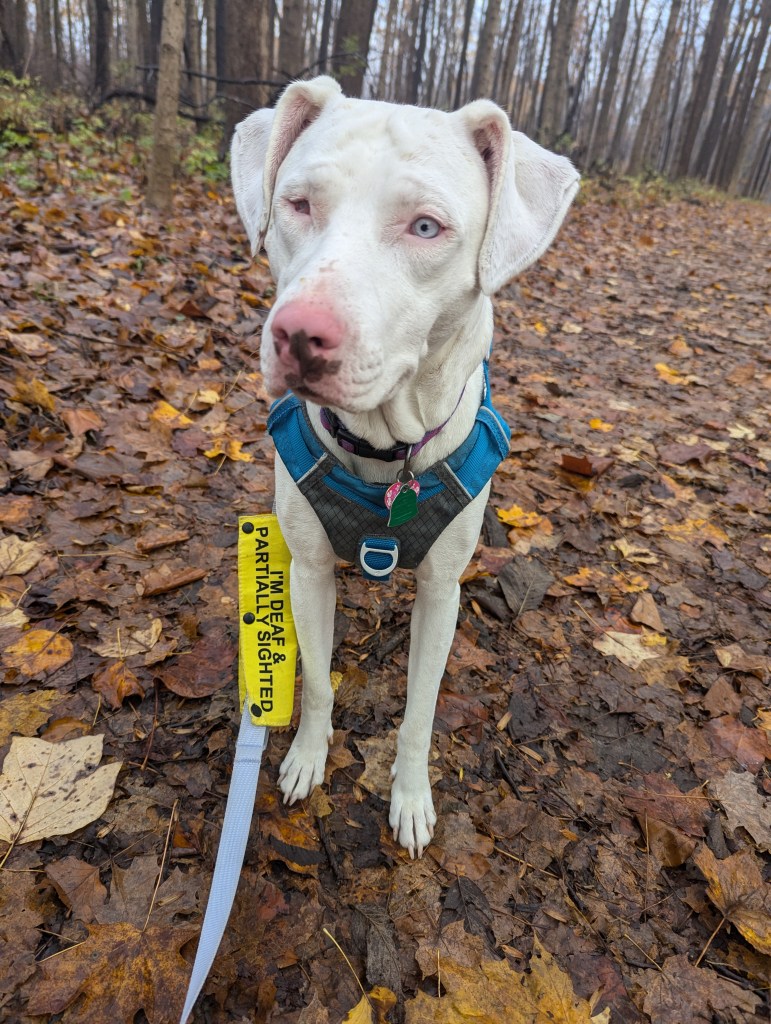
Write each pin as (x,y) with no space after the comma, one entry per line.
(305,330)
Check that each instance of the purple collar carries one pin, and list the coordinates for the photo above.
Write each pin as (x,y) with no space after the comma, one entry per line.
(358,446)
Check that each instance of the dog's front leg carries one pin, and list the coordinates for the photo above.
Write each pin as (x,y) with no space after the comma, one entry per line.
(434,618)
(312,588)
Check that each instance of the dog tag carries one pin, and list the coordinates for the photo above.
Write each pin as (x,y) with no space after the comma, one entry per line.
(401,500)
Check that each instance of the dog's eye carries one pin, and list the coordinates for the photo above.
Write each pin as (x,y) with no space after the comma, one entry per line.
(425,227)
(301,206)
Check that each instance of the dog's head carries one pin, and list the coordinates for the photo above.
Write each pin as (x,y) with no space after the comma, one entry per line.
(386,227)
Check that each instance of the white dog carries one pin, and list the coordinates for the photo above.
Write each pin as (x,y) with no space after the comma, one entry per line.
(387,228)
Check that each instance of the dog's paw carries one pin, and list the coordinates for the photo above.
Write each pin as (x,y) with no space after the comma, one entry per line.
(412,815)
(303,767)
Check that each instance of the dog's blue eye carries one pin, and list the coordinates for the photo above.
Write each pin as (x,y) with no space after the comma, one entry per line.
(301,206)
(425,227)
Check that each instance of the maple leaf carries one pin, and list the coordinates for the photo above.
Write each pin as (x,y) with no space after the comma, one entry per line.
(372,1008)
(518,518)
(494,993)
(52,789)
(737,889)
(118,971)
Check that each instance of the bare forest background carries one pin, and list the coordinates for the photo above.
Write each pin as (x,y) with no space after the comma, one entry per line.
(679,87)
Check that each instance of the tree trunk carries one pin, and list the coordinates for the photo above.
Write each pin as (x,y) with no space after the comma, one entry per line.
(354,27)
(101,55)
(164,156)
(43,51)
(211,48)
(463,52)
(702,84)
(192,54)
(290,40)
(598,141)
(326,27)
(555,90)
(14,40)
(673,131)
(482,78)
(382,78)
(575,100)
(742,100)
(751,134)
(648,129)
(614,153)
(510,58)
(420,50)
(243,33)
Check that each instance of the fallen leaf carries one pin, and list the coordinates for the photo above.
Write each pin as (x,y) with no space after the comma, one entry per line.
(230,449)
(18,556)
(646,613)
(585,465)
(494,993)
(630,648)
(38,652)
(118,971)
(737,889)
(202,671)
(372,1008)
(116,682)
(518,518)
(744,806)
(524,582)
(24,713)
(728,736)
(53,789)
(80,421)
(679,992)
(165,413)
(735,657)
(79,887)
(130,640)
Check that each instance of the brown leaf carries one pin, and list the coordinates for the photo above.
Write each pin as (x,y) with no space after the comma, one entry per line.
(202,671)
(39,652)
(585,465)
(691,995)
(738,890)
(167,578)
(78,886)
(118,971)
(729,737)
(116,682)
(745,807)
(459,848)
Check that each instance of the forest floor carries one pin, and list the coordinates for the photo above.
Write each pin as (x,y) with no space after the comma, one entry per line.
(603,738)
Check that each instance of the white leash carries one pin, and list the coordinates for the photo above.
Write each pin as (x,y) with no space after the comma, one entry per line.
(230,854)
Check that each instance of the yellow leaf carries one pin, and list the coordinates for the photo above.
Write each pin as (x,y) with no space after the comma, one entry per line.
(38,651)
(698,529)
(163,412)
(598,424)
(540,328)
(494,993)
(24,713)
(33,393)
(569,328)
(670,376)
(518,518)
(372,1008)
(230,449)
(52,789)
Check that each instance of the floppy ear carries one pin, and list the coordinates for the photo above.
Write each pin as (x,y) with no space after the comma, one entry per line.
(261,143)
(530,192)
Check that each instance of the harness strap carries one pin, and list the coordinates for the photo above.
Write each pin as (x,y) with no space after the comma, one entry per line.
(230,853)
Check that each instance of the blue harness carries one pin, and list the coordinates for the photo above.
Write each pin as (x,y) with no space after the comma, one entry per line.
(354,513)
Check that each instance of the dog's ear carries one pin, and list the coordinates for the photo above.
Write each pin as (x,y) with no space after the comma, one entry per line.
(530,192)
(261,143)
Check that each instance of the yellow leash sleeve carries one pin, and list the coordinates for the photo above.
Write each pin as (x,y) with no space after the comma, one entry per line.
(267,648)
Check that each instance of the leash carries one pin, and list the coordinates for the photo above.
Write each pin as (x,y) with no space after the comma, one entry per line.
(267,650)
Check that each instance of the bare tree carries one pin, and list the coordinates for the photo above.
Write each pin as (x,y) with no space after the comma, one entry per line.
(648,128)
(702,84)
(598,140)
(484,65)
(164,154)
(291,45)
(555,89)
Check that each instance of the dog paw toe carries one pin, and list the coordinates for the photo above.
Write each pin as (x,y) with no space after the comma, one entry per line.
(301,770)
